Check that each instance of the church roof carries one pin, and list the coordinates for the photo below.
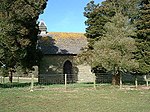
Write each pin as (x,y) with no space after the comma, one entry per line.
(62,43)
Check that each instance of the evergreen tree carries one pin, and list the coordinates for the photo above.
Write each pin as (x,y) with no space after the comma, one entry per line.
(143,37)
(115,49)
(99,14)
(18,32)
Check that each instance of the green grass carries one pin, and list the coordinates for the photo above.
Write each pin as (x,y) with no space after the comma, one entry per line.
(80,98)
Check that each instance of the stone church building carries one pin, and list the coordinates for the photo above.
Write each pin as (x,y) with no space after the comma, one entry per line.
(59,51)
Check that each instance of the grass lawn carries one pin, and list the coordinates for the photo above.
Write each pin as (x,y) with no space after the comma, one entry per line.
(81,99)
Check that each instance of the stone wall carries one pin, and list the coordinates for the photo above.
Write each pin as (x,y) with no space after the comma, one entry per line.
(51,70)
(85,74)
(53,64)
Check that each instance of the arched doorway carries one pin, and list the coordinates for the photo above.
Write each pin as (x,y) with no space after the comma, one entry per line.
(67,69)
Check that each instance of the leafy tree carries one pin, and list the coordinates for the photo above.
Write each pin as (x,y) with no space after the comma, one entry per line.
(18,32)
(143,37)
(115,49)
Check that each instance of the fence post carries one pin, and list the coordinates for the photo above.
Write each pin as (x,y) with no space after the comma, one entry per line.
(145,78)
(147,83)
(136,83)
(94,77)
(65,81)
(120,81)
(18,79)
(32,81)
(1,79)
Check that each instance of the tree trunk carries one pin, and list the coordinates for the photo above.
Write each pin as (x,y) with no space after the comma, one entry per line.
(11,76)
(116,77)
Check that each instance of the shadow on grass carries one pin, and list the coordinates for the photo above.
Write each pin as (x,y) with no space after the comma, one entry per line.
(15,84)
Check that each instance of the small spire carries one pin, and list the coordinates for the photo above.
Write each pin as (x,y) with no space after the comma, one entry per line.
(42,27)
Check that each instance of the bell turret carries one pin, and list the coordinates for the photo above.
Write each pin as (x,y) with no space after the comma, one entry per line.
(42,27)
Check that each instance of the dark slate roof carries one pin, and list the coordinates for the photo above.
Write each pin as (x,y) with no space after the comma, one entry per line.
(62,43)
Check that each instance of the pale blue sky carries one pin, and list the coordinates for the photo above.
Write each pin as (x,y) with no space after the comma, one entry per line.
(65,15)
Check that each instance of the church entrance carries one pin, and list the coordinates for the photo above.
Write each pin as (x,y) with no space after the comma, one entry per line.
(67,69)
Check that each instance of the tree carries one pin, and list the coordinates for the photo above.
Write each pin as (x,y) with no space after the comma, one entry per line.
(115,49)
(99,14)
(18,32)
(143,37)
(5,40)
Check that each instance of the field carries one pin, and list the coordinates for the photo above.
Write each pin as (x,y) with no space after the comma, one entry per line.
(54,98)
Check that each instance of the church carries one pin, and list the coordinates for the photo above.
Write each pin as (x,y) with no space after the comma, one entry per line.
(59,51)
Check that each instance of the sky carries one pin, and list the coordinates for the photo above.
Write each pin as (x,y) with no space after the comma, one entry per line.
(65,15)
